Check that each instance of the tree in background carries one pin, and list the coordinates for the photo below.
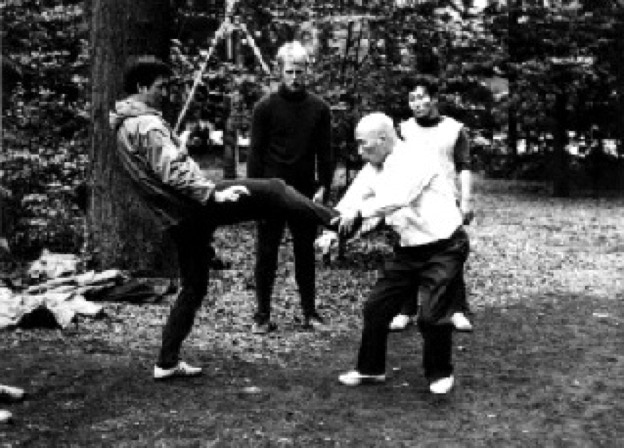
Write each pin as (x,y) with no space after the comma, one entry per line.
(363,51)
(119,236)
(45,61)
(564,64)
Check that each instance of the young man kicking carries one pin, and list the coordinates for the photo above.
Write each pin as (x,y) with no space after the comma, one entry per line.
(185,202)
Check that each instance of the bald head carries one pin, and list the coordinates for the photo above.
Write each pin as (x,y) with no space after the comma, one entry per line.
(377,122)
(376,137)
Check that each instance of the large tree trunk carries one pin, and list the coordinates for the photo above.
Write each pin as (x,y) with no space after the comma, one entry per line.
(122,233)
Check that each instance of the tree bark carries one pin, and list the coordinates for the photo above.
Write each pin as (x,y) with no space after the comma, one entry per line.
(122,232)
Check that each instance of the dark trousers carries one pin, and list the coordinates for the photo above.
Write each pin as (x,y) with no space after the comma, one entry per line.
(270,234)
(458,290)
(268,198)
(192,242)
(431,269)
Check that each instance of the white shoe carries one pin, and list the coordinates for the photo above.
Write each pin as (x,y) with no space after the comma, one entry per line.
(442,386)
(355,378)
(10,393)
(400,322)
(181,370)
(461,322)
(5,416)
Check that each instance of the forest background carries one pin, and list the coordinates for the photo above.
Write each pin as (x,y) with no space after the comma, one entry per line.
(539,85)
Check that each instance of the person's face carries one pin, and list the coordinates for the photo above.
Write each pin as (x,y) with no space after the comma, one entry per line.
(372,146)
(422,104)
(154,95)
(294,75)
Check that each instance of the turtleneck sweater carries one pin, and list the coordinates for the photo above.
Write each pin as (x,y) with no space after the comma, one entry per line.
(291,140)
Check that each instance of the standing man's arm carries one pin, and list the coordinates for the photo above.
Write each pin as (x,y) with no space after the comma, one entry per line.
(463,168)
(324,157)
(259,140)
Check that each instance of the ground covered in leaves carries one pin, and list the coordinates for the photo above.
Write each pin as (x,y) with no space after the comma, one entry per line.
(543,368)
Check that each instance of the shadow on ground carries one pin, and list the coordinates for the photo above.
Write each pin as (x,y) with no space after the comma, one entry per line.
(544,373)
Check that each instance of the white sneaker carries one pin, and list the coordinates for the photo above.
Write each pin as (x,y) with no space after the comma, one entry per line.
(181,370)
(10,393)
(5,416)
(400,322)
(355,378)
(461,322)
(442,386)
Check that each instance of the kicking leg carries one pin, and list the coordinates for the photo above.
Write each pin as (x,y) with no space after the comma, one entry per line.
(268,198)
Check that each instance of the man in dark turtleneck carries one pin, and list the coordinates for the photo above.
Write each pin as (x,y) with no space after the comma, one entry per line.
(290,140)
(447,138)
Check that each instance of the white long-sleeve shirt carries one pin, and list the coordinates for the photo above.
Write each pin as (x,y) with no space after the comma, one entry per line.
(411,192)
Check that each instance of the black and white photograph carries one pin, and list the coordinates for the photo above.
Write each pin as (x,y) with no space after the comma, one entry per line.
(312,223)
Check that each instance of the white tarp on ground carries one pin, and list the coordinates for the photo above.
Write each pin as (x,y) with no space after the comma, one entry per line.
(59,292)
(16,309)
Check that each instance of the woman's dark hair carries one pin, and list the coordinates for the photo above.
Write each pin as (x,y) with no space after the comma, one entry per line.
(428,82)
(143,72)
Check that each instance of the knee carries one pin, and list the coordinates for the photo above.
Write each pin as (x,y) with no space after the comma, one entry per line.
(277,184)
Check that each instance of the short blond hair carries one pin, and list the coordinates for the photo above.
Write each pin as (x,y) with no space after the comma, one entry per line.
(292,51)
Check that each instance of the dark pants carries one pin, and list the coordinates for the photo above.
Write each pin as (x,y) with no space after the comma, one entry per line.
(268,198)
(457,289)
(192,242)
(431,268)
(269,238)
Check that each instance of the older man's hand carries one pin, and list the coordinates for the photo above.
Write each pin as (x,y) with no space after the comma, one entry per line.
(231,194)
(349,222)
(370,224)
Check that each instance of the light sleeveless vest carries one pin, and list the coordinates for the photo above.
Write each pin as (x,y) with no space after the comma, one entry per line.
(439,139)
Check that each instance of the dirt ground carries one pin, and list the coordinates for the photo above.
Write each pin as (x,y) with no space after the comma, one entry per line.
(544,367)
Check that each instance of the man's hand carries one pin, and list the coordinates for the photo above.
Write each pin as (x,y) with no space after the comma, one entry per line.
(348,221)
(231,194)
(319,196)
(370,224)
(182,145)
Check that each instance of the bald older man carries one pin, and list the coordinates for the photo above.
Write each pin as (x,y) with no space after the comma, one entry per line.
(410,190)
(290,140)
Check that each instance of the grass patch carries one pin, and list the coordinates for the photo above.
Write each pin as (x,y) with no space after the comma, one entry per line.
(543,368)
